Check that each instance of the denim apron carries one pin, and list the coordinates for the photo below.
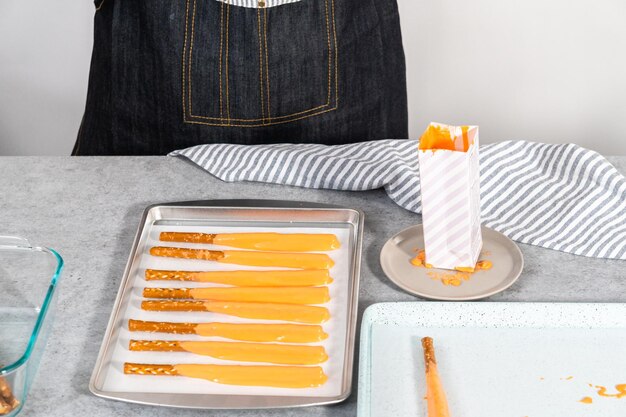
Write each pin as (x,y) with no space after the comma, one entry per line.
(169,74)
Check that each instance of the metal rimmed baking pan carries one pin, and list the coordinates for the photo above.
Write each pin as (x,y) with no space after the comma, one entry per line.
(216,216)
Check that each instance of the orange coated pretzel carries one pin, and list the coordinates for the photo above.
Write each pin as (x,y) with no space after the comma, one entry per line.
(286,295)
(247,278)
(269,311)
(163,327)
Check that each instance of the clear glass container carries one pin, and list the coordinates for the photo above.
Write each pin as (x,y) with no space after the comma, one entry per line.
(28,279)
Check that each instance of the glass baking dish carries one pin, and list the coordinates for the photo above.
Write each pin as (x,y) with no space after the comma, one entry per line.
(28,281)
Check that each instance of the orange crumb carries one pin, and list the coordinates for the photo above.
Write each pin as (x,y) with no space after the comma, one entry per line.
(484,265)
(620,388)
(586,400)
(451,281)
(448,278)
(416,261)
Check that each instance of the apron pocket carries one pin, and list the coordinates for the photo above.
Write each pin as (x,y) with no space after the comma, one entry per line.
(246,66)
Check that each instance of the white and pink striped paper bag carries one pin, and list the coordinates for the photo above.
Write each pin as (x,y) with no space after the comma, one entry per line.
(450,191)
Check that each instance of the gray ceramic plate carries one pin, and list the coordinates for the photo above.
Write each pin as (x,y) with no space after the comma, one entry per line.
(500,250)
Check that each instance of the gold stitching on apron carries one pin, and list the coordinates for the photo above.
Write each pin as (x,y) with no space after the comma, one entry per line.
(329,48)
(263,124)
(193,30)
(258,18)
(267,72)
(100,5)
(184,58)
(336,56)
(221,47)
(289,116)
(257,120)
(227,73)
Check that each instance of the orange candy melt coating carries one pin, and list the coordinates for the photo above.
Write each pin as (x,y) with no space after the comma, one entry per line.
(259,352)
(287,295)
(281,259)
(268,376)
(295,242)
(437,137)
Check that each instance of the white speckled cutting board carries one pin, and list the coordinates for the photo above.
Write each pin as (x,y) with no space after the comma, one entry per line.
(495,359)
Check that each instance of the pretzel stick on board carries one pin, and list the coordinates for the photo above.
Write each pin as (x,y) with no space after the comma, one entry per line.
(249,332)
(268,311)
(286,295)
(245,278)
(252,258)
(435,395)
(287,242)
(250,375)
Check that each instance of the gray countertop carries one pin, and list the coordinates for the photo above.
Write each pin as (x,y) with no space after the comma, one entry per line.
(88,209)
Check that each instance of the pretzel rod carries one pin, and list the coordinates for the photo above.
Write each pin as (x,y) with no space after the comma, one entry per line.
(149,369)
(173,305)
(292,278)
(5,408)
(238,351)
(289,242)
(286,295)
(250,375)
(288,333)
(252,258)
(267,311)
(8,402)
(162,327)
(204,254)
(435,395)
(429,353)
(155,346)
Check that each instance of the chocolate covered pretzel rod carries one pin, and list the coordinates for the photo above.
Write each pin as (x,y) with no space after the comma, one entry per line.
(253,332)
(267,311)
(280,278)
(288,242)
(252,258)
(250,375)
(287,295)
(238,351)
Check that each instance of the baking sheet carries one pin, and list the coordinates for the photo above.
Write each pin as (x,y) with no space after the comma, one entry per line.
(495,359)
(110,381)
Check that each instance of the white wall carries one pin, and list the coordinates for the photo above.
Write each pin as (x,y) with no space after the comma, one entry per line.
(45,49)
(545,70)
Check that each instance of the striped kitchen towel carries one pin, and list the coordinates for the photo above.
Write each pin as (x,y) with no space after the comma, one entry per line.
(560,197)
